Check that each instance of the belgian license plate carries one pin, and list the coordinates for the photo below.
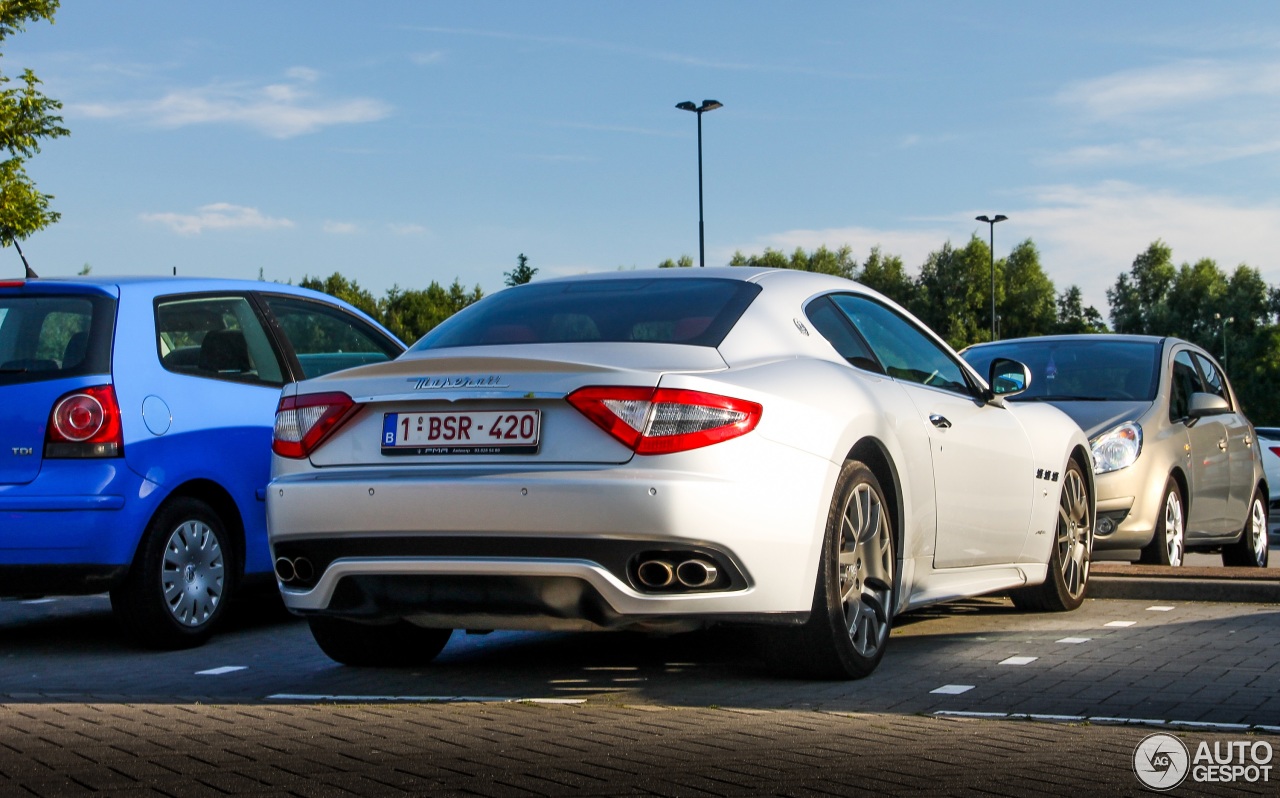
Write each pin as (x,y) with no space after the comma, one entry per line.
(470,432)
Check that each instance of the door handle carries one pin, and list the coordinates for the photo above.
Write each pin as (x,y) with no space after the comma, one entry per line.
(939,421)
(1222,444)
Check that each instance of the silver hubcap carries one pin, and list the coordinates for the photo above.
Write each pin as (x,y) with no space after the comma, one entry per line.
(866,570)
(1258,530)
(193,574)
(1173,528)
(1074,533)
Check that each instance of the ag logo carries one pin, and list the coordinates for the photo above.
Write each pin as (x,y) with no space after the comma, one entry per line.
(1161,761)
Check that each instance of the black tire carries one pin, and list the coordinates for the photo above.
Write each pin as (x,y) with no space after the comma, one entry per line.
(848,627)
(1168,545)
(1250,551)
(181,578)
(1064,586)
(398,644)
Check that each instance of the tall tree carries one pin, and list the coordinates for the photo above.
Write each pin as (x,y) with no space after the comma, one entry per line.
(953,293)
(1074,317)
(411,314)
(1028,306)
(1139,299)
(27,117)
(522,273)
(885,273)
(348,291)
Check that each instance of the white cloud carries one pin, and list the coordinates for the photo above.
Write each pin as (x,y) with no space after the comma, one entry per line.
(1086,235)
(279,110)
(1175,85)
(217,216)
(341,228)
(428,58)
(409,229)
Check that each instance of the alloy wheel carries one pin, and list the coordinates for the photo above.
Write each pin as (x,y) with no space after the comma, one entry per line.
(866,569)
(1075,532)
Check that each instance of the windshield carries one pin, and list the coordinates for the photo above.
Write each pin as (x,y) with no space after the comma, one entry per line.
(691,311)
(1079,369)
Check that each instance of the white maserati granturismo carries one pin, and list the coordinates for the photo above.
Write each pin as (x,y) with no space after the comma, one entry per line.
(665,450)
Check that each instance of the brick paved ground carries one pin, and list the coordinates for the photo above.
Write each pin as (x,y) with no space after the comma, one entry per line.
(260,711)
(502,750)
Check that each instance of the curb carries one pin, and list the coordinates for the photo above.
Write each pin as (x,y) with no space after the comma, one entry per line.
(1242,585)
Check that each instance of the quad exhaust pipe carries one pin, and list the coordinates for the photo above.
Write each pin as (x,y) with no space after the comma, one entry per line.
(297,569)
(657,574)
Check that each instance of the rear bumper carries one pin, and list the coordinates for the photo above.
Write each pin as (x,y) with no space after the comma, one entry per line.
(81,519)
(539,549)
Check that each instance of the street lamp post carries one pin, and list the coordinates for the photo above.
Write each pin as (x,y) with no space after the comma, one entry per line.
(991,222)
(1223,327)
(707,105)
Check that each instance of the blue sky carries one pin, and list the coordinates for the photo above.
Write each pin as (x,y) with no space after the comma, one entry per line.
(405,142)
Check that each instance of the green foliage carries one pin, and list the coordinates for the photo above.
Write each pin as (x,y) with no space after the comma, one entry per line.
(1074,318)
(27,117)
(822,260)
(412,314)
(348,291)
(885,273)
(953,293)
(684,262)
(1029,305)
(522,273)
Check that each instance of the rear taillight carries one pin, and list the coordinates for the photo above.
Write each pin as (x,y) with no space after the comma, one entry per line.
(1275,450)
(85,423)
(302,422)
(665,420)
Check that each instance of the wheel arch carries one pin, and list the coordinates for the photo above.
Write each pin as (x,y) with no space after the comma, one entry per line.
(221,502)
(873,453)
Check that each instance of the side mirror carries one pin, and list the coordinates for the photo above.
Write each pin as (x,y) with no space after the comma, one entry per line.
(1207,404)
(1008,377)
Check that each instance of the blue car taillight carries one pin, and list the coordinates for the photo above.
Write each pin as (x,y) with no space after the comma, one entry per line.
(85,423)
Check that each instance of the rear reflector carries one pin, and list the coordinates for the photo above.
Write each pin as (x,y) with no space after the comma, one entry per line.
(85,423)
(303,422)
(665,420)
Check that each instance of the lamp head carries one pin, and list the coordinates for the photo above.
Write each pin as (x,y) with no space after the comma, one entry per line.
(710,105)
(686,106)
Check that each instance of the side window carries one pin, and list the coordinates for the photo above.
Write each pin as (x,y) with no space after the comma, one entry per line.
(217,337)
(904,350)
(325,338)
(1213,379)
(1186,381)
(832,325)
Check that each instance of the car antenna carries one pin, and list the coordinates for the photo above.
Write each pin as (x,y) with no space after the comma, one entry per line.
(31,273)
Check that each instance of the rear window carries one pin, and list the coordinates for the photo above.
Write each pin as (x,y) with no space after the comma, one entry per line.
(50,337)
(690,311)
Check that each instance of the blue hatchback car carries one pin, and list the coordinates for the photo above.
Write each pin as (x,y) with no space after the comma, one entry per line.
(135,435)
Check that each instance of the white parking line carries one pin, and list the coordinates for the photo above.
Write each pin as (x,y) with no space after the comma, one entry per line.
(952,689)
(1122,623)
(1018,660)
(421,699)
(1074,640)
(1158,608)
(1193,724)
(222,670)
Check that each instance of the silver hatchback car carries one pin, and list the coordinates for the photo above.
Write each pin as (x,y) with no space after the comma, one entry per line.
(1178,465)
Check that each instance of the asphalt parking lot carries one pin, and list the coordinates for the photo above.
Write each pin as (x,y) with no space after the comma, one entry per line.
(971,697)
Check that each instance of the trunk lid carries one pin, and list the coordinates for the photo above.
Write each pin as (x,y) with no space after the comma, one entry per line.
(450,400)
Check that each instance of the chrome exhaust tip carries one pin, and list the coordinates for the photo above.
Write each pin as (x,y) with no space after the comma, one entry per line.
(303,570)
(285,571)
(697,573)
(655,573)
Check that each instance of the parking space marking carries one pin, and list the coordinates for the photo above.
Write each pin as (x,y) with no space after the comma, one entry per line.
(952,689)
(419,699)
(1074,640)
(1192,724)
(220,671)
(1018,660)
(1121,623)
(1159,608)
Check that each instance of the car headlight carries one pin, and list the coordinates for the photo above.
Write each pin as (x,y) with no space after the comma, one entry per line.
(1117,448)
